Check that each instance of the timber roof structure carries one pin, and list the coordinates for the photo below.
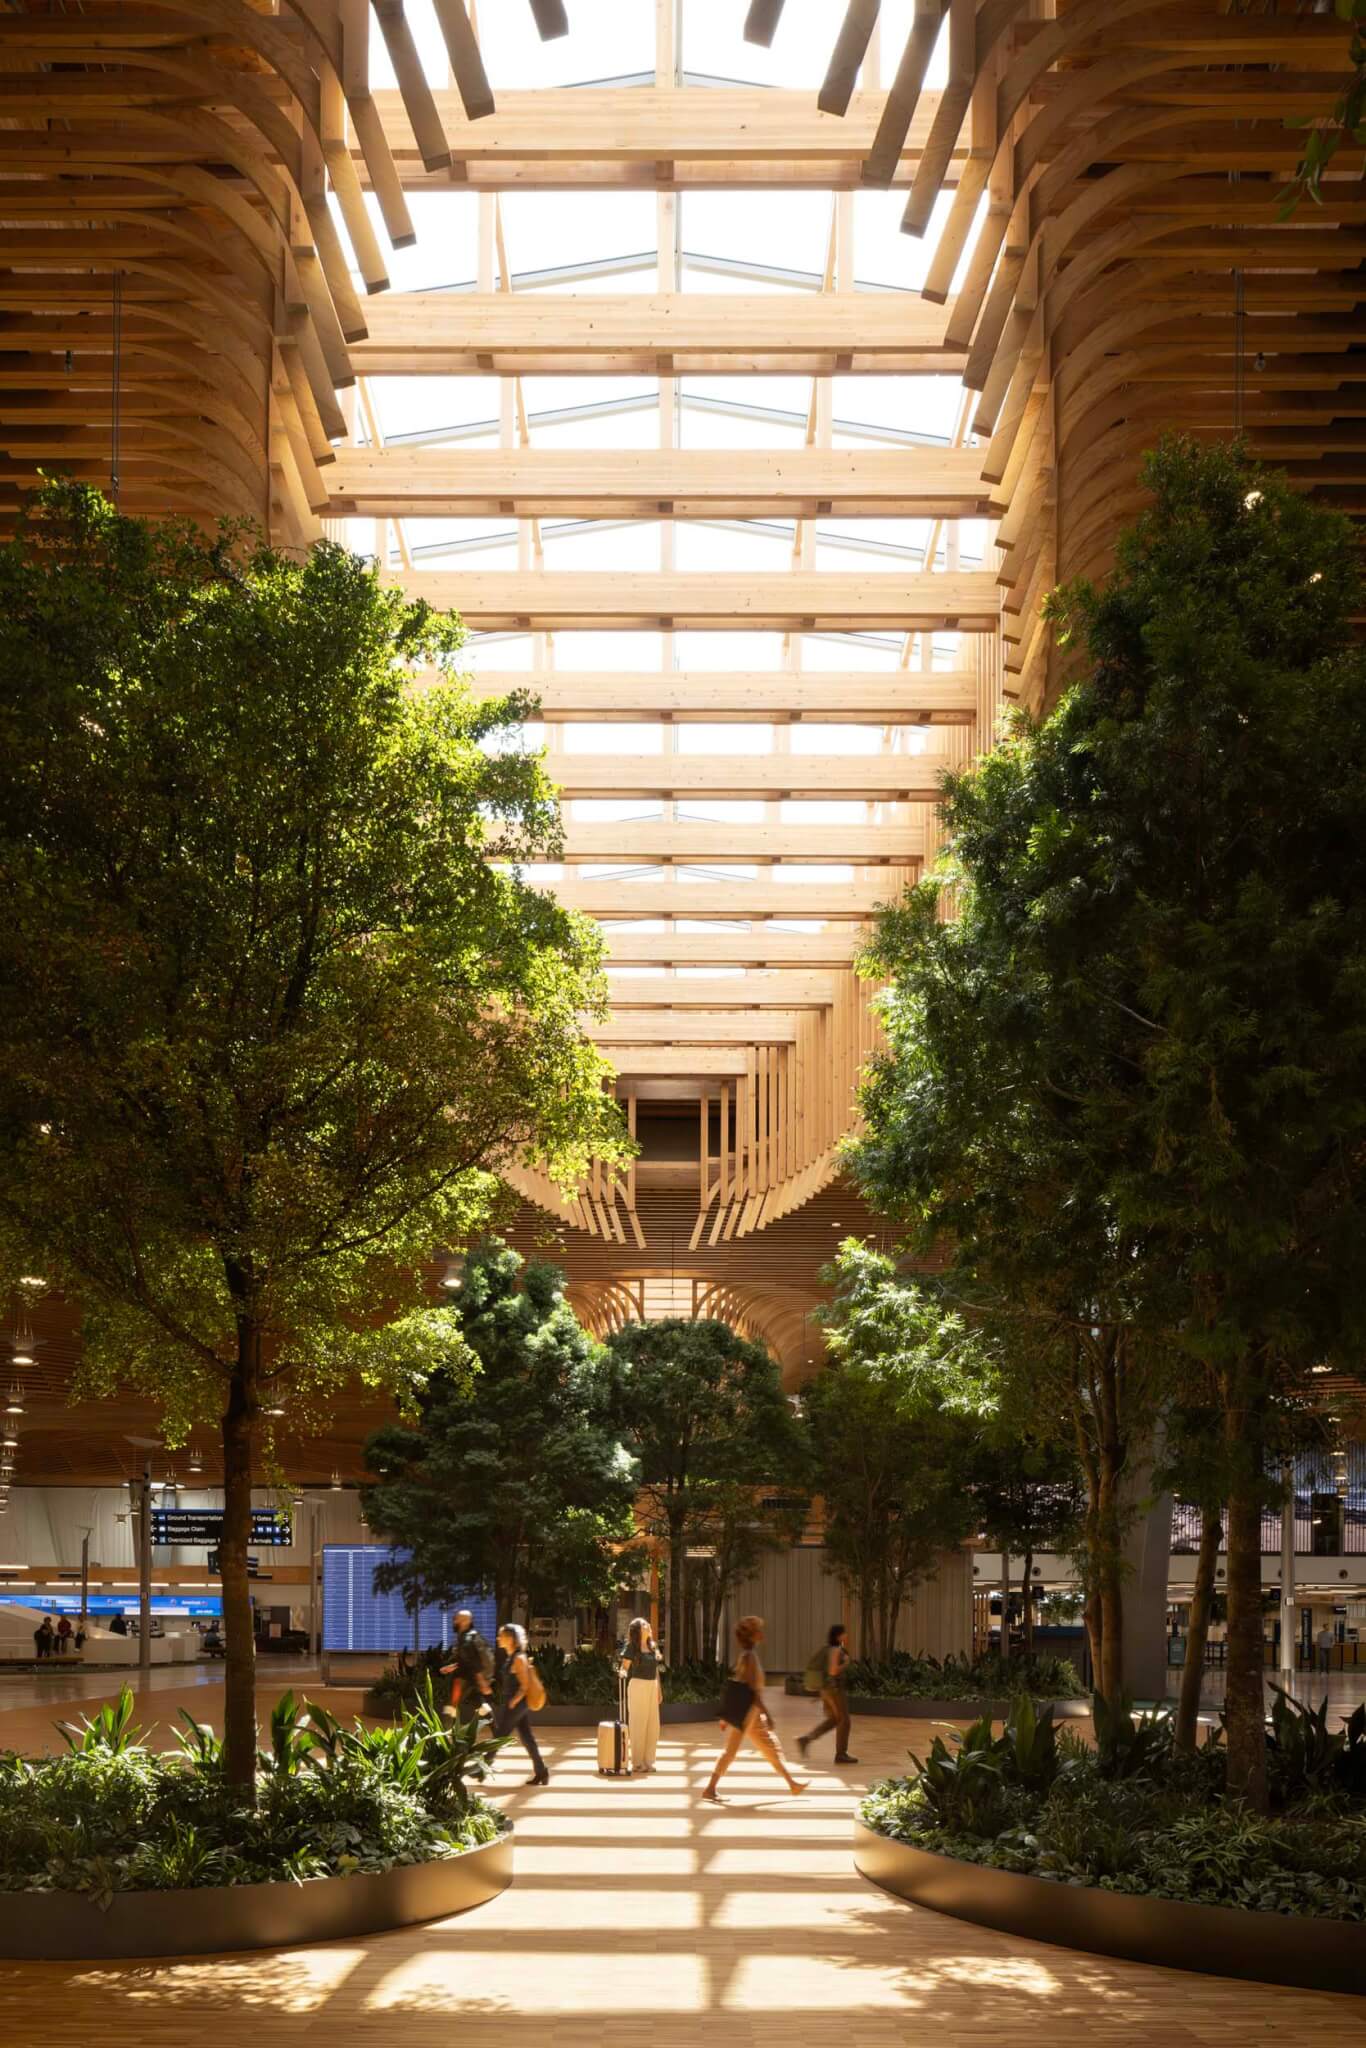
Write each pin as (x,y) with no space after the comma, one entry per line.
(745,375)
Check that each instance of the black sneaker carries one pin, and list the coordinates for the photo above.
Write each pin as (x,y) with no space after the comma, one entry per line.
(846,1759)
(802,1741)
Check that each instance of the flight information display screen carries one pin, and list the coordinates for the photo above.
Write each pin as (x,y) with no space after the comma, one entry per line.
(356,1617)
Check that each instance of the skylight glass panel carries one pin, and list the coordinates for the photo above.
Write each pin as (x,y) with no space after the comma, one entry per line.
(613,810)
(544,231)
(800,810)
(884,254)
(779,230)
(592,736)
(836,740)
(725,740)
(614,651)
(408,407)
(822,652)
(730,549)
(722,811)
(745,652)
(446,252)
(603,43)
(628,427)
(610,545)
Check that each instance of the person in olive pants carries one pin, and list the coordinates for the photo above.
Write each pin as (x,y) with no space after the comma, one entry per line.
(834,1697)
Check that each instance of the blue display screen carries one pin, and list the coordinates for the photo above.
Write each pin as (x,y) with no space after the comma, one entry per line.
(356,1617)
(101,1604)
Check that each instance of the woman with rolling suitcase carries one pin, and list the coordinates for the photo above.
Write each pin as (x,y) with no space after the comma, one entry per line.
(641,1664)
(743,1714)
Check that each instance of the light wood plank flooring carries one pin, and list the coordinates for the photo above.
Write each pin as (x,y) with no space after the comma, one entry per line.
(639,1916)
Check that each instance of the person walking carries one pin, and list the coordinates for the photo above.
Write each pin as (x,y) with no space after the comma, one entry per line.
(1325,1640)
(641,1663)
(743,1714)
(472,1665)
(834,1692)
(517,1687)
(118,1623)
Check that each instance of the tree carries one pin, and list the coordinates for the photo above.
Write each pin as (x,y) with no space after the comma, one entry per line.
(1220,732)
(704,1414)
(892,1421)
(272,1018)
(976,1140)
(513,1480)
(1168,882)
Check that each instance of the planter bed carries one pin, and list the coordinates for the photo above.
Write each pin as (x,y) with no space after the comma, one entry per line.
(64,1926)
(1269,1948)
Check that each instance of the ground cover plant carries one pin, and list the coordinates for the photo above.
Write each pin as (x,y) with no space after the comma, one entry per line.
(1138,1815)
(904,1676)
(111,1815)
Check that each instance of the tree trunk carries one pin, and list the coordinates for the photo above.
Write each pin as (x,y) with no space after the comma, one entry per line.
(239,1662)
(1108,1567)
(1027,1597)
(677,1591)
(1095,1633)
(1193,1670)
(1244,1709)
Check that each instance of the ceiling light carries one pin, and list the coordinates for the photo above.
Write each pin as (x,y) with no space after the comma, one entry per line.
(31,1280)
(274,1409)
(22,1353)
(14,1405)
(335,1482)
(1320,1368)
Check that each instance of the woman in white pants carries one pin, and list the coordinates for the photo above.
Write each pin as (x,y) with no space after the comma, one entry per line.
(641,1664)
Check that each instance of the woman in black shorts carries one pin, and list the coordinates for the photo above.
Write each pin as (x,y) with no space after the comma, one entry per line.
(743,1715)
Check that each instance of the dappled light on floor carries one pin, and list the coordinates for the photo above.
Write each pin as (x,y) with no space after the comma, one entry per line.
(638,1912)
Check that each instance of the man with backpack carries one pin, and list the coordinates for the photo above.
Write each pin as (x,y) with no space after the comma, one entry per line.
(472,1665)
(828,1674)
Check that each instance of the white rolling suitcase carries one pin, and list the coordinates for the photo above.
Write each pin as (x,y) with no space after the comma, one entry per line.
(614,1740)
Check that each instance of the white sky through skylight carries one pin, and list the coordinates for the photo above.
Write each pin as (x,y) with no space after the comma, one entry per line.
(754,242)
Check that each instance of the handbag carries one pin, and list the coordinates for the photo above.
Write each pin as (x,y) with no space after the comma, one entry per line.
(737,1701)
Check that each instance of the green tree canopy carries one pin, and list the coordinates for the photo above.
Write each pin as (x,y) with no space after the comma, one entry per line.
(1166,891)
(704,1414)
(272,1019)
(514,1480)
(893,1420)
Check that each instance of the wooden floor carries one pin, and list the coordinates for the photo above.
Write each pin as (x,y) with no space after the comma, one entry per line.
(639,1916)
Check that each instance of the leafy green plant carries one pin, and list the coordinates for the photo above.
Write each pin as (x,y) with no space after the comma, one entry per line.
(1129,1745)
(1030,1745)
(962,1785)
(1304,1751)
(291,1738)
(110,1732)
(198,1743)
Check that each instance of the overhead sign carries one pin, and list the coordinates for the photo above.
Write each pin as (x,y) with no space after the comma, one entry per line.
(187,1526)
(356,1617)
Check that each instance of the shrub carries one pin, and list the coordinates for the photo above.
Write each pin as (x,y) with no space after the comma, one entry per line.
(905,1676)
(1133,1815)
(109,1816)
